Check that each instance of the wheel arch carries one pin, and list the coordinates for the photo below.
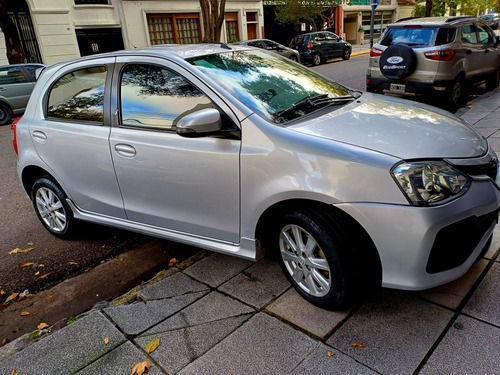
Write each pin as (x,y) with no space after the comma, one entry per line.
(32,173)
(365,248)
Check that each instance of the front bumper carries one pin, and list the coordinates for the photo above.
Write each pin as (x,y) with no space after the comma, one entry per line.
(422,247)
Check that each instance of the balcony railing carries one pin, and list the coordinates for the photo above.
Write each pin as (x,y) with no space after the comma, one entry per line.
(365,2)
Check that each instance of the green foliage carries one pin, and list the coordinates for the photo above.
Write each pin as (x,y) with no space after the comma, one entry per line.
(70,320)
(317,13)
(463,7)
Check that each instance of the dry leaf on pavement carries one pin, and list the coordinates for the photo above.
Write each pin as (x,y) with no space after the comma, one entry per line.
(25,313)
(42,326)
(11,297)
(44,276)
(153,344)
(141,368)
(172,262)
(18,250)
(330,353)
(357,345)
(106,341)
(26,264)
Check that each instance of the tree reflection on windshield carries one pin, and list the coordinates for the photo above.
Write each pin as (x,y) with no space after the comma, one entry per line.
(264,82)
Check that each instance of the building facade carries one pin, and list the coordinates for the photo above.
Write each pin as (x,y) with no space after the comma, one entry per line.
(59,30)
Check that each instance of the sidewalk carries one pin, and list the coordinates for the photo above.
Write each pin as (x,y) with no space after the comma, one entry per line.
(216,314)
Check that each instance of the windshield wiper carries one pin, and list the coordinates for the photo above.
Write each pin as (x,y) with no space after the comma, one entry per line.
(313,103)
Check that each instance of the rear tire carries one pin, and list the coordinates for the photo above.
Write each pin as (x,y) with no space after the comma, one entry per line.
(5,114)
(293,58)
(316,60)
(51,207)
(457,95)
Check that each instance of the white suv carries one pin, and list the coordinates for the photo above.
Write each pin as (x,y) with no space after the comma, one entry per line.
(435,56)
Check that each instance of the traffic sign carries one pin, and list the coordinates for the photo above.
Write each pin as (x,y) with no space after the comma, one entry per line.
(374,4)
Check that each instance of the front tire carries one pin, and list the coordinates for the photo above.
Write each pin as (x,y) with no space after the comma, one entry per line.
(347,54)
(51,207)
(315,258)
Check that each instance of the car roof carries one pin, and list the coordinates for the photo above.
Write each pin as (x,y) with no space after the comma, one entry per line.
(432,21)
(25,64)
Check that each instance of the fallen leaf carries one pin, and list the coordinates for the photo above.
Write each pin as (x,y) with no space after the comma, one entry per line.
(26,264)
(172,262)
(141,368)
(30,243)
(2,292)
(42,326)
(357,345)
(4,341)
(11,297)
(72,263)
(25,313)
(18,250)
(153,344)
(106,341)
(14,372)
(44,276)
(48,297)
(41,265)
(37,273)
(330,353)
(160,273)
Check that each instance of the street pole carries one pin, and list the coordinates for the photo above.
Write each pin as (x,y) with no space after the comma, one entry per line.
(374,5)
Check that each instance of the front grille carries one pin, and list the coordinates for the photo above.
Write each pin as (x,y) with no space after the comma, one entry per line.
(456,242)
(489,169)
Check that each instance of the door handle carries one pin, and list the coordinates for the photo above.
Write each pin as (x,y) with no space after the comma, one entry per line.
(124,150)
(39,136)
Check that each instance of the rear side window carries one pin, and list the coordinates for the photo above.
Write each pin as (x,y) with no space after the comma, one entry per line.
(10,75)
(410,36)
(445,36)
(79,95)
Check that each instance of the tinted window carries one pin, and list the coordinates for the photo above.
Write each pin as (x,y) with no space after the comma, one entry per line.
(484,35)
(79,95)
(13,74)
(32,69)
(415,37)
(155,97)
(445,36)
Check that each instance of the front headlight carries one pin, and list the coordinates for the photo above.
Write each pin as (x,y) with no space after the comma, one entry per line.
(430,182)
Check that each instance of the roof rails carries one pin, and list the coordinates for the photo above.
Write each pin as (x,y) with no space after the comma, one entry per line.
(451,19)
(406,19)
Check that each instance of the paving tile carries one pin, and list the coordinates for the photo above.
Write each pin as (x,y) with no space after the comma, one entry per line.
(120,361)
(452,294)
(489,121)
(263,345)
(180,347)
(137,317)
(217,269)
(214,306)
(172,286)
(469,347)
(485,302)
(67,350)
(296,310)
(320,362)
(259,284)
(396,329)
(487,132)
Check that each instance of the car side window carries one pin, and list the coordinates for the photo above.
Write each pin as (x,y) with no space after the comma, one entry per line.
(469,34)
(11,74)
(270,45)
(483,34)
(32,70)
(79,95)
(157,98)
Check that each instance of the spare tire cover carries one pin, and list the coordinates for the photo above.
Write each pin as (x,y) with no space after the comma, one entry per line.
(397,61)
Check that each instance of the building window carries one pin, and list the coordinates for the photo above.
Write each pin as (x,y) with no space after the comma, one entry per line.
(174,28)
(232,34)
(91,2)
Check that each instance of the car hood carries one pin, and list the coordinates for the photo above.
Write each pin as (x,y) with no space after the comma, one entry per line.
(398,127)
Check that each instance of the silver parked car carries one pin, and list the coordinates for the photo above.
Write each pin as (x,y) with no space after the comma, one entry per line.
(270,45)
(16,84)
(237,150)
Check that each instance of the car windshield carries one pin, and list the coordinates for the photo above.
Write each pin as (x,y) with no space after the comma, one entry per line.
(487,17)
(273,87)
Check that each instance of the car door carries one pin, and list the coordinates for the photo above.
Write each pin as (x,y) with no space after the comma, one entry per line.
(335,48)
(72,137)
(15,86)
(186,185)
(491,55)
(474,53)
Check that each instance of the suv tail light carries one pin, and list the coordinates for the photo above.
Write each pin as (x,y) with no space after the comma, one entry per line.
(14,136)
(445,55)
(309,45)
(375,52)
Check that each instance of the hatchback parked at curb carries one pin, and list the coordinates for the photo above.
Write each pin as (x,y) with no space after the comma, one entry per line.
(238,150)
(272,46)
(318,47)
(438,57)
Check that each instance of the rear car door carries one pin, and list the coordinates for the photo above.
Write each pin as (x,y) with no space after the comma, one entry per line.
(186,185)
(15,86)
(72,137)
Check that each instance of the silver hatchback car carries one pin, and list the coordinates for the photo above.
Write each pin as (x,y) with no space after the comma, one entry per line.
(237,150)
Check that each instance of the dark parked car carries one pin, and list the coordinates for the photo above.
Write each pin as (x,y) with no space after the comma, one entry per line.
(269,45)
(491,20)
(16,84)
(315,48)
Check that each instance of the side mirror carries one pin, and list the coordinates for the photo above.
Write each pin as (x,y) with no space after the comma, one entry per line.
(200,123)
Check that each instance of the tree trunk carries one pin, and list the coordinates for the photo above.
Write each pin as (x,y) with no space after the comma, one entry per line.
(12,41)
(212,12)
(428,8)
